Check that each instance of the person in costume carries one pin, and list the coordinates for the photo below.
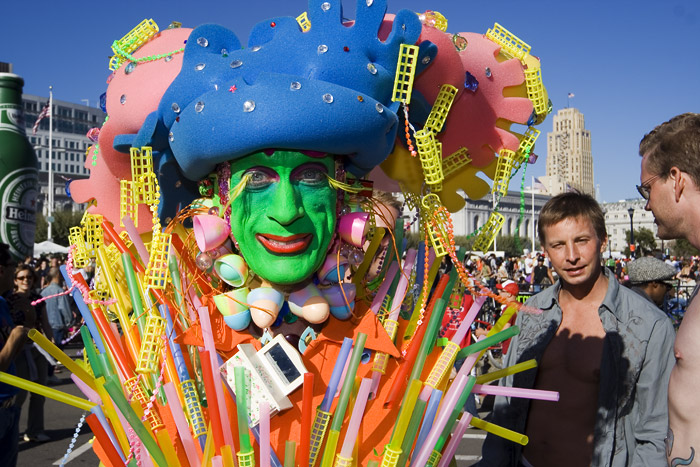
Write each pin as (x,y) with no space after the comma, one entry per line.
(264,145)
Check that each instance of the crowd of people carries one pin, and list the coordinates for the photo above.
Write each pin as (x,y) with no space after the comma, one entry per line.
(31,297)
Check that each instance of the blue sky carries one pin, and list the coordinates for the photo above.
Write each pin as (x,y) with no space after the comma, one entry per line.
(630,64)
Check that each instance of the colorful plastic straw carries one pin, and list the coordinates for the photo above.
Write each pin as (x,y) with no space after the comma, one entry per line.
(355,419)
(499,431)
(430,413)
(242,409)
(116,393)
(59,355)
(307,411)
(336,374)
(210,386)
(510,370)
(45,391)
(448,405)
(265,434)
(487,342)
(113,455)
(384,288)
(517,392)
(181,424)
(290,448)
(84,310)
(336,424)
(405,415)
(451,448)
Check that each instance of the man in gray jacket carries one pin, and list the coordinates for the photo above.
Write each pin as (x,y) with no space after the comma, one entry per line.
(606,350)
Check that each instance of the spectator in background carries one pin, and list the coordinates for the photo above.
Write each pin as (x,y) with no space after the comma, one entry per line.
(541,276)
(12,339)
(651,278)
(57,307)
(31,364)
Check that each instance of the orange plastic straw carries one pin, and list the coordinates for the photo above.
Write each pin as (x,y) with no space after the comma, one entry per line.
(307,414)
(106,444)
(212,402)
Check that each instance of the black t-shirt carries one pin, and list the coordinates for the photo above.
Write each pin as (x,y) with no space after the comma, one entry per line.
(540,272)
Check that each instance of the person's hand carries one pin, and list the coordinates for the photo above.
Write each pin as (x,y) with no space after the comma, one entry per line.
(17,336)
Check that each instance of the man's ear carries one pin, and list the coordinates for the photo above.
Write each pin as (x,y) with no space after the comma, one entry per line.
(679,180)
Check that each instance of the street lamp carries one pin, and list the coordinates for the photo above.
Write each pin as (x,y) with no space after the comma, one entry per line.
(630,211)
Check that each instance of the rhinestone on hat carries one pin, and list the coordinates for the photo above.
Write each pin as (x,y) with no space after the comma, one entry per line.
(236,63)
(199,66)
(328,98)
(202,41)
(322,49)
(175,107)
(248,106)
(325,6)
(295,86)
(199,106)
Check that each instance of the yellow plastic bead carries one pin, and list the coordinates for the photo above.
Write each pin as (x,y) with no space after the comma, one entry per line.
(157,272)
(504,168)
(134,39)
(537,93)
(127,205)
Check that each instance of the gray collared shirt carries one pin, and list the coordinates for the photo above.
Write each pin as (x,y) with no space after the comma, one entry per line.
(632,417)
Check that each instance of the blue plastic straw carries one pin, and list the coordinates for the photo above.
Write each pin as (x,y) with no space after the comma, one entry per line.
(433,404)
(335,376)
(175,349)
(84,312)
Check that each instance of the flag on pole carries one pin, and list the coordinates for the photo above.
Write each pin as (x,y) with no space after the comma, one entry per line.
(45,112)
(571,94)
(538,185)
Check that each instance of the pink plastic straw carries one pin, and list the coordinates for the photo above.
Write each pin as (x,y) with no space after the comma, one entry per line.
(136,239)
(217,462)
(264,434)
(356,418)
(208,338)
(446,408)
(516,392)
(468,319)
(87,390)
(384,288)
(181,423)
(403,284)
(457,434)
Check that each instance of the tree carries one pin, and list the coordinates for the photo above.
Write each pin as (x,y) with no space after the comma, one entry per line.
(682,247)
(63,221)
(644,239)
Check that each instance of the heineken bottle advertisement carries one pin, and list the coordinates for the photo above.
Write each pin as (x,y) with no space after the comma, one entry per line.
(19,175)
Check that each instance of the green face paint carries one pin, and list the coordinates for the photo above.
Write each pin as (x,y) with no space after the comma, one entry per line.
(284,219)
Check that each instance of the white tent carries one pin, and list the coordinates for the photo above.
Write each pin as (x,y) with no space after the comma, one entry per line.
(48,247)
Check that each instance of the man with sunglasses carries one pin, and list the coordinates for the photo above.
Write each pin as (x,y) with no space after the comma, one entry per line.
(671,185)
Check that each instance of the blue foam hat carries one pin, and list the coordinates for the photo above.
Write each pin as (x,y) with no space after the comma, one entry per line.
(327,89)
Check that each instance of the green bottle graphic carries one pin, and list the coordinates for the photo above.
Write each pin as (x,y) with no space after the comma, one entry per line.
(19,174)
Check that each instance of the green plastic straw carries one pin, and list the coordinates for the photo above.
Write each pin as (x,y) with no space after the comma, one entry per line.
(114,389)
(105,365)
(411,431)
(91,352)
(134,294)
(242,409)
(429,338)
(290,448)
(487,342)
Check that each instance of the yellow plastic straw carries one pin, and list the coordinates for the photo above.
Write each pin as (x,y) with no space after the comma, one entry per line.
(208,452)
(405,415)
(331,444)
(166,445)
(46,391)
(499,431)
(511,370)
(227,455)
(59,355)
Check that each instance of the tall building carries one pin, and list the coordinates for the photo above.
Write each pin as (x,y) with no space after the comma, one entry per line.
(569,157)
(71,123)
